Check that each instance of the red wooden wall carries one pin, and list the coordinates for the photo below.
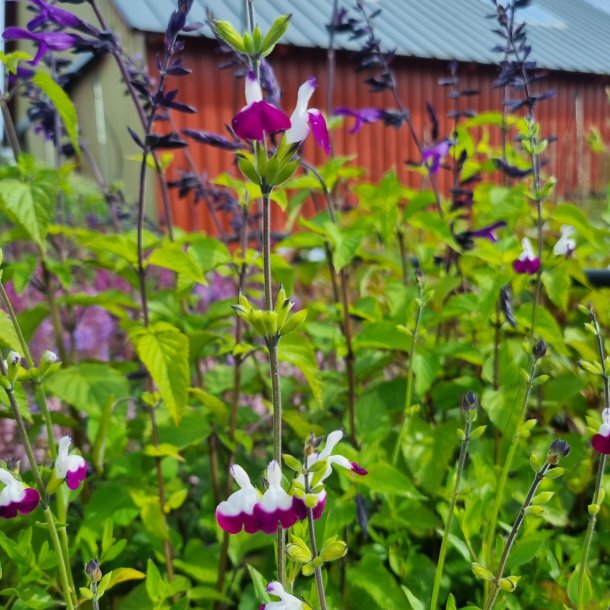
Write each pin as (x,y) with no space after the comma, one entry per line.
(217,96)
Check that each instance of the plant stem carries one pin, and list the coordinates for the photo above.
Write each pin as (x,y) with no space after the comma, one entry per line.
(409,392)
(314,549)
(582,569)
(224,549)
(495,587)
(62,560)
(9,127)
(456,487)
(488,548)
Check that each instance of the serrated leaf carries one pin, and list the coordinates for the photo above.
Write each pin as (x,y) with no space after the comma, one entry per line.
(174,258)
(164,351)
(344,243)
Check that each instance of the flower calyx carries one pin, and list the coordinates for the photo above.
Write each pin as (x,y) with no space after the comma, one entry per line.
(271,325)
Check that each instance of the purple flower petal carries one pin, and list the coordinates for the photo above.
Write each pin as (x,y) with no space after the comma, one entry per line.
(358,469)
(528,265)
(29,502)
(47,41)
(601,443)
(232,524)
(257,119)
(269,521)
(362,116)
(319,129)
(76,477)
(488,232)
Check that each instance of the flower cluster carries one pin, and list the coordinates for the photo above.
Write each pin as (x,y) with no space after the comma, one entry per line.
(16,497)
(259,117)
(252,511)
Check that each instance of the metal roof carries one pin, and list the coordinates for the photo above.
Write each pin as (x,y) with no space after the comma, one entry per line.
(568,35)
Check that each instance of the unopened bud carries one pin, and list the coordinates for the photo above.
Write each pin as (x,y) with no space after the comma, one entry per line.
(509,583)
(481,571)
(298,553)
(334,550)
(13,358)
(559,449)
(470,401)
(93,570)
(49,357)
(539,349)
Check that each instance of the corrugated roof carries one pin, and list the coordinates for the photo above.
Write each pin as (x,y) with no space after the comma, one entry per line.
(570,35)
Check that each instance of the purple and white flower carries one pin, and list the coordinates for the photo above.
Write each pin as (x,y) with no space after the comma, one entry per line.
(72,468)
(16,497)
(237,512)
(304,120)
(276,506)
(601,441)
(527,262)
(331,460)
(362,116)
(432,156)
(287,601)
(258,117)
(565,244)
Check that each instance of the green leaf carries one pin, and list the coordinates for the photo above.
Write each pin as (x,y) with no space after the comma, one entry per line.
(88,386)
(164,351)
(29,205)
(299,352)
(386,479)
(259,583)
(276,31)
(209,253)
(382,335)
(119,575)
(415,603)
(174,258)
(344,244)
(557,283)
(63,104)
(371,576)
(8,336)
(573,587)
(155,587)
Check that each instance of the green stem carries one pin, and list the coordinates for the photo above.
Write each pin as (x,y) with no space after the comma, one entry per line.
(582,570)
(495,587)
(23,435)
(314,549)
(444,544)
(409,392)
(491,532)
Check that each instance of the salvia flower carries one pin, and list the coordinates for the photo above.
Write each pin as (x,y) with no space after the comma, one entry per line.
(339,460)
(237,512)
(46,41)
(527,262)
(276,506)
(287,601)
(432,156)
(601,441)
(47,13)
(72,468)
(565,244)
(362,116)
(16,497)
(304,120)
(258,117)
(488,232)
(558,449)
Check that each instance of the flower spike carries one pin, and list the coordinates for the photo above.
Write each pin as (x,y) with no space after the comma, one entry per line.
(258,117)
(72,468)
(237,511)
(16,497)
(303,120)
(527,262)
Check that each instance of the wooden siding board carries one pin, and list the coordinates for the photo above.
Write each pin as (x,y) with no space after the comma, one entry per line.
(218,96)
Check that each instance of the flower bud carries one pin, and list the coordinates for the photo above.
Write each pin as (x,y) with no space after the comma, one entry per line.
(470,402)
(559,449)
(509,583)
(481,571)
(539,349)
(13,358)
(47,360)
(334,550)
(93,570)
(534,511)
(593,509)
(298,553)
